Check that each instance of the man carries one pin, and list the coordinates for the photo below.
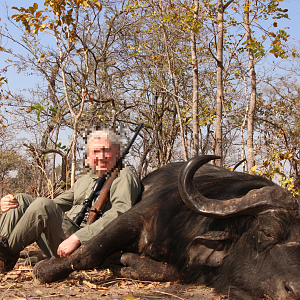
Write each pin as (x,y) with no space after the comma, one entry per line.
(26,220)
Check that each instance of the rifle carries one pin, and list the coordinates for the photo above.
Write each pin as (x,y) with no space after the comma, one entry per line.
(102,187)
(88,201)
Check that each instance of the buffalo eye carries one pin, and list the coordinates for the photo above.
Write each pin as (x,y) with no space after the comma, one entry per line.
(264,239)
(266,233)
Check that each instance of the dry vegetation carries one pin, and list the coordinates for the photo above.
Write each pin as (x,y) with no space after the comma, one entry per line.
(94,284)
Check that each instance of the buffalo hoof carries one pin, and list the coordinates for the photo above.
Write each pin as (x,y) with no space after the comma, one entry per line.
(142,268)
(53,269)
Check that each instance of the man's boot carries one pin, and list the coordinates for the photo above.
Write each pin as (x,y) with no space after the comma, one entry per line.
(7,258)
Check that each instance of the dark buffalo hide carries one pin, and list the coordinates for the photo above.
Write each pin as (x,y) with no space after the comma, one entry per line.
(233,231)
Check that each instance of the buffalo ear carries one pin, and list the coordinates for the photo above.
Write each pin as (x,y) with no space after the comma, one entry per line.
(209,249)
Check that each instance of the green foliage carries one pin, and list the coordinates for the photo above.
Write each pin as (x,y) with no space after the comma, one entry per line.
(39,108)
(276,44)
(256,47)
(274,168)
(264,10)
(62,147)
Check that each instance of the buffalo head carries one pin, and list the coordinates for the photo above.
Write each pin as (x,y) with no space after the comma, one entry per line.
(257,252)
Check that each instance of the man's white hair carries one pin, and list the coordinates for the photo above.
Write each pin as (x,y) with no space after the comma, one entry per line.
(109,134)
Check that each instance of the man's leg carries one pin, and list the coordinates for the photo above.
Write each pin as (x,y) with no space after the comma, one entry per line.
(43,218)
(49,243)
(8,222)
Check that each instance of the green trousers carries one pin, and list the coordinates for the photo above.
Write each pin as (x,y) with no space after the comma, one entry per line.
(39,220)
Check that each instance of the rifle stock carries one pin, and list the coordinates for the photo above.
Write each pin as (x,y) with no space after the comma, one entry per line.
(95,209)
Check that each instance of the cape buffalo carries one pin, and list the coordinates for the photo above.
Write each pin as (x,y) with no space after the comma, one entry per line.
(236,232)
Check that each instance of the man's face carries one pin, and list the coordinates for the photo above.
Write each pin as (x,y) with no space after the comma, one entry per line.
(102,156)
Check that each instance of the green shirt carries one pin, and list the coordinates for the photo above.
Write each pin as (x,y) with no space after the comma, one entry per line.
(124,192)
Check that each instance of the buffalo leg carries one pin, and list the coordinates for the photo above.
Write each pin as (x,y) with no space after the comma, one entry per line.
(120,234)
(142,268)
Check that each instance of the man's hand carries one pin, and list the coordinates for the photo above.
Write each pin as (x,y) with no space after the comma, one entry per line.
(8,202)
(69,245)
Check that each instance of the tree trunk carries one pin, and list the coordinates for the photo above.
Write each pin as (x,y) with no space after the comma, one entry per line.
(195,84)
(219,104)
(251,112)
(73,151)
(242,157)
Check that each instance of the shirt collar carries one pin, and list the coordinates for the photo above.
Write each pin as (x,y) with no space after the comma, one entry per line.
(92,174)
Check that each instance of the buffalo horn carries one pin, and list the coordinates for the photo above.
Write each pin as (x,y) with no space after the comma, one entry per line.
(252,203)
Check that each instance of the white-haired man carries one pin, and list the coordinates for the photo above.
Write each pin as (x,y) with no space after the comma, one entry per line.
(25,220)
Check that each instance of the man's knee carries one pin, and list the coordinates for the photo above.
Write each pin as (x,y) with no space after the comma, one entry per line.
(24,199)
(42,204)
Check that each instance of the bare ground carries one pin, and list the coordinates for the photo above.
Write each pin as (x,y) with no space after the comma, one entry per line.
(95,284)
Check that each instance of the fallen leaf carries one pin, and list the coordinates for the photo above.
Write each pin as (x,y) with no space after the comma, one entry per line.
(130,297)
(150,286)
(90,285)
(102,288)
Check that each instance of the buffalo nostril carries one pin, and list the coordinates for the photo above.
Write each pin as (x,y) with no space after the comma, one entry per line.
(293,288)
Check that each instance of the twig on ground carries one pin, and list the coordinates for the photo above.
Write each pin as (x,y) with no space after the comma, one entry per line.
(168,294)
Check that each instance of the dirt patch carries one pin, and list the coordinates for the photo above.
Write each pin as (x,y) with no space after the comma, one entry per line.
(20,285)
(95,284)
